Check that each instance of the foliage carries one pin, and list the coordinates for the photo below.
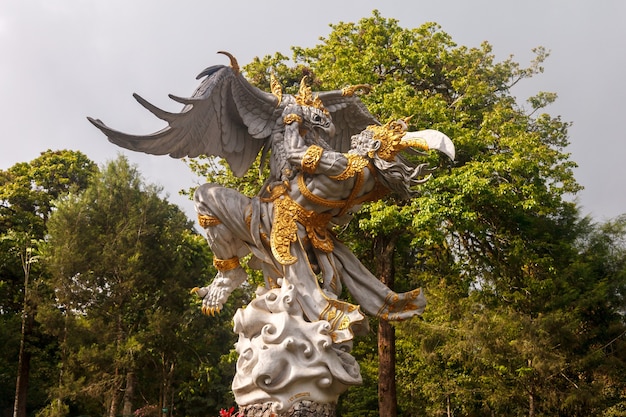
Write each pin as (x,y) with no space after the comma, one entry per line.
(27,193)
(526,311)
(122,262)
(27,190)
(108,300)
(493,239)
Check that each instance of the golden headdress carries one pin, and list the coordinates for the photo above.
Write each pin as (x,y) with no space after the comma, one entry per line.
(305,97)
(390,136)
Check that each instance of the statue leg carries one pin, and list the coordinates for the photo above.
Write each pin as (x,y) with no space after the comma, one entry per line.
(218,206)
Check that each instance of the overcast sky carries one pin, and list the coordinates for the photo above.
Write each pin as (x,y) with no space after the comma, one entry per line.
(63,60)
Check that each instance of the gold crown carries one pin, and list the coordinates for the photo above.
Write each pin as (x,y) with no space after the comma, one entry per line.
(305,97)
(390,137)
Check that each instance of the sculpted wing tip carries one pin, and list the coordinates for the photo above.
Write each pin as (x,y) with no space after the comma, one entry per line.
(158,112)
(100,125)
(148,144)
(225,117)
(210,71)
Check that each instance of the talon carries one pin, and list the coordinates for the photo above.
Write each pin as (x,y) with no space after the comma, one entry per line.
(200,292)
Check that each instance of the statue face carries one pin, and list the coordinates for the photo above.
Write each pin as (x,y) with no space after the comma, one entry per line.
(317,121)
(363,144)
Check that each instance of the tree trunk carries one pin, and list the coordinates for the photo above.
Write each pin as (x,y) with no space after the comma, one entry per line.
(165,403)
(384,247)
(23,367)
(117,377)
(387,370)
(23,361)
(115,393)
(531,397)
(114,403)
(129,393)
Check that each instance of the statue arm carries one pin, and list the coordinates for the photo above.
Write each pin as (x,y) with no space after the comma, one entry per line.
(312,159)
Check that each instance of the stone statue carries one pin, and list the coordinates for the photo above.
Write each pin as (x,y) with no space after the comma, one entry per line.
(327,156)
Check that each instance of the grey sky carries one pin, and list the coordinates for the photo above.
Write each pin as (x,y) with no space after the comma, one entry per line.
(63,60)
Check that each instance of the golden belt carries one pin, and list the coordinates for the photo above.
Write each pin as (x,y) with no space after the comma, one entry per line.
(287,215)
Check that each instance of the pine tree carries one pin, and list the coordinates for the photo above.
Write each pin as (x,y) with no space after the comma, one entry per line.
(123,261)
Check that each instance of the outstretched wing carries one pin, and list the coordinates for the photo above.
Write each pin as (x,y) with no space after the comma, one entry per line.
(349,114)
(225,117)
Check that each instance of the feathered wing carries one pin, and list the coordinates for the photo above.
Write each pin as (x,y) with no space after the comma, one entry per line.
(350,116)
(226,117)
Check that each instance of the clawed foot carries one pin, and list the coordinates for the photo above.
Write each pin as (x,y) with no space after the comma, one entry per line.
(215,295)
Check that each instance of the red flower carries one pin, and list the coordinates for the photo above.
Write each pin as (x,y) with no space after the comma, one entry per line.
(229,413)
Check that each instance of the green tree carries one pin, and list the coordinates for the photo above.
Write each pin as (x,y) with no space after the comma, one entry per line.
(27,192)
(123,261)
(466,94)
(493,240)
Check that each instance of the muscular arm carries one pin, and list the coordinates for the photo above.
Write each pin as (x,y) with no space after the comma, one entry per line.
(312,159)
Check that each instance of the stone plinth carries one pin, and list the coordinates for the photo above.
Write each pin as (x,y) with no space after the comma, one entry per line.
(298,409)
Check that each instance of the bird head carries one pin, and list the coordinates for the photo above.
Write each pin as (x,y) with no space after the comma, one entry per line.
(315,117)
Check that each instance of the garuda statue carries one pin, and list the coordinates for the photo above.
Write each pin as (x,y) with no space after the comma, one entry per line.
(327,156)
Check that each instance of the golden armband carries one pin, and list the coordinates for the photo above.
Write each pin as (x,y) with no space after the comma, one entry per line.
(226,264)
(311,159)
(356,164)
(206,220)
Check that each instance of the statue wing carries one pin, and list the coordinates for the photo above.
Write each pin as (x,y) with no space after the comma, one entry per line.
(225,117)
(349,114)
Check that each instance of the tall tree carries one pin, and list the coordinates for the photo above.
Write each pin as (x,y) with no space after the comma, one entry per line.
(123,261)
(521,288)
(23,246)
(492,240)
(27,194)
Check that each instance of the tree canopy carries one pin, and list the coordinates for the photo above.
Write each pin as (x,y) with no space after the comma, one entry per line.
(108,324)
(122,262)
(27,192)
(526,312)
(495,240)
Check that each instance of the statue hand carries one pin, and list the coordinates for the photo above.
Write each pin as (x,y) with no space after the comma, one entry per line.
(215,295)
(294,143)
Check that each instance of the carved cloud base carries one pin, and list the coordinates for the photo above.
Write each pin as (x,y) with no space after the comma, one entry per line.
(285,360)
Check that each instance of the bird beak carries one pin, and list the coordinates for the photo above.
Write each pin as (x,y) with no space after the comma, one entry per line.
(430,139)
(329,130)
